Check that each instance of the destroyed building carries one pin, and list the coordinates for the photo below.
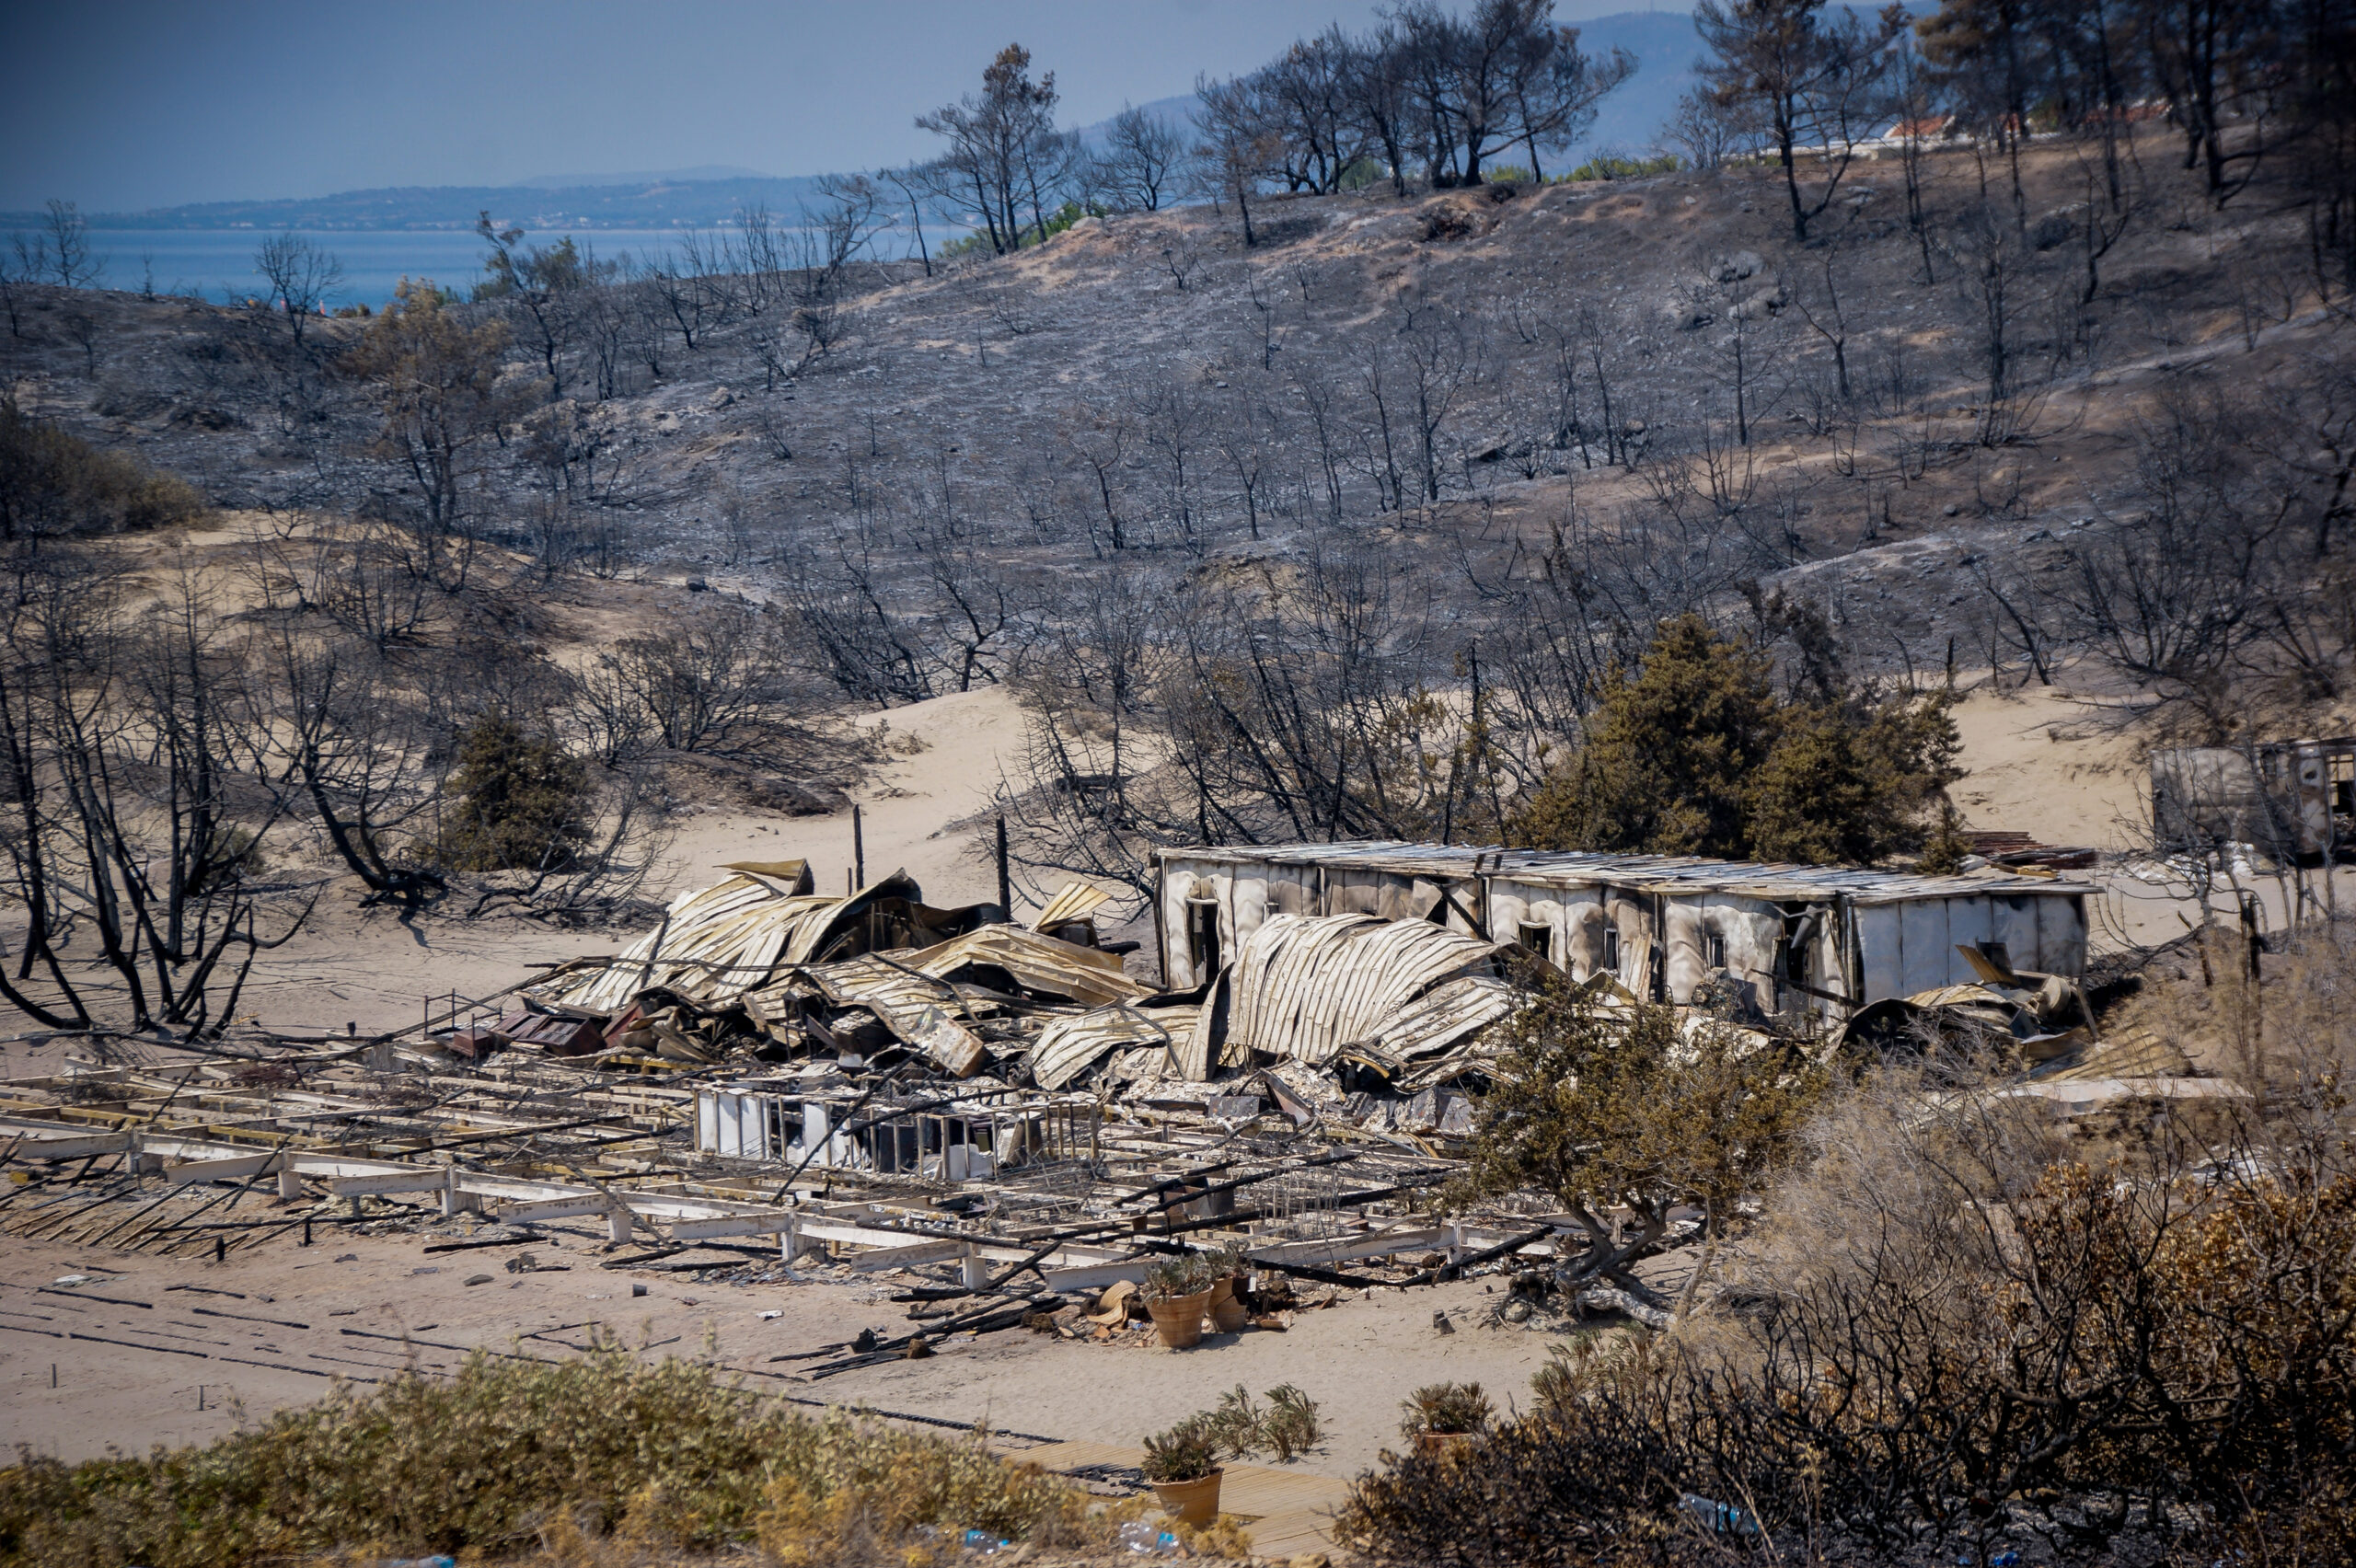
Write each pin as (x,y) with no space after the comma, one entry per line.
(1828,939)
(884,1083)
(1355,983)
(2287,799)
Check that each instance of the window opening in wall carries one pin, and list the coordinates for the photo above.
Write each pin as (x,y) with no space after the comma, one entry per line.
(1792,955)
(1537,939)
(1612,949)
(1202,937)
(1714,946)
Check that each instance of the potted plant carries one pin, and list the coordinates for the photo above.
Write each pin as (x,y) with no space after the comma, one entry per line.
(1442,1417)
(1229,1313)
(1183,1467)
(1177,1294)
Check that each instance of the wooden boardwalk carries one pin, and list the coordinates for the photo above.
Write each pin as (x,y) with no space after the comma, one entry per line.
(1285,1511)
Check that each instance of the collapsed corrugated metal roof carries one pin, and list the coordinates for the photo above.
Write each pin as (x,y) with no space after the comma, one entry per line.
(1078,901)
(714,944)
(1304,985)
(1067,1047)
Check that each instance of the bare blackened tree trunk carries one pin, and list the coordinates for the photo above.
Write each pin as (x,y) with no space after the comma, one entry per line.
(914,185)
(1591,329)
(1442,359)
(1100,439)
(1317,399)
(1382,448)
(1245,441)
(1833,326)
(346,740)
(122,740)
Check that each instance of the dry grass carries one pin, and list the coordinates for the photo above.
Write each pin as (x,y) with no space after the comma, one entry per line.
(2292,1032)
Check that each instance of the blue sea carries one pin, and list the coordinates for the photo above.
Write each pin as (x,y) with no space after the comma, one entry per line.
(219,263)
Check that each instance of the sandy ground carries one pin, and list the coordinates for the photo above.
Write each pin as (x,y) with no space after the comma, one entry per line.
(920,808)
(2041,762)
(344,1304)
(1358,1360)
(372,969)
(2037,764)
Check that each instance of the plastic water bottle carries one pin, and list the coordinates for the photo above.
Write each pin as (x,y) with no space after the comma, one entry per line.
(1139,1535)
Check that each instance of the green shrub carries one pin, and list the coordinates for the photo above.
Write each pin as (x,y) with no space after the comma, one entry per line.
(1188,1451)
(1696,752)
(979,242)
(1188,1273)
(518,800)
(1291,1426)
(507,1453)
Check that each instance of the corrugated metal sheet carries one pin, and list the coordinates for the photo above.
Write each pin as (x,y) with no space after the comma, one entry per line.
(716,943)
(913,1006)
(858,982)
(1444,1015)
(1037,963)
(914,994)
(1076,902)
(713,944)
(1304,987)
(793,876)
(1070,1047)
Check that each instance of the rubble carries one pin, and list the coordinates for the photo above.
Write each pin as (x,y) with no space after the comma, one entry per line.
(2044,1016)
(772,1082)
(862,1083)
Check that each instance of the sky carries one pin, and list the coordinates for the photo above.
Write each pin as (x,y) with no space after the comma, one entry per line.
(122,105)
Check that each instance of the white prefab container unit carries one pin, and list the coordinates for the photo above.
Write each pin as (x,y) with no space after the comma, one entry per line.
(1828,938)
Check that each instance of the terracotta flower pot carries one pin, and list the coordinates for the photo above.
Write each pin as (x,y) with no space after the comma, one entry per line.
(1228,1312)
(1179,1319)
(1438,1445)
(1191,1502)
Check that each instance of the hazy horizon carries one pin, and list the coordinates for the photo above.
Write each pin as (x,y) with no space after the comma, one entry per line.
(134,105)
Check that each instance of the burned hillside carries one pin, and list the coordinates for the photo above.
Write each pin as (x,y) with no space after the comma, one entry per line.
(1470,441)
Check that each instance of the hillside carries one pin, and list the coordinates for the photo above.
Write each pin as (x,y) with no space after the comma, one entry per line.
(1393,416)
(981,375)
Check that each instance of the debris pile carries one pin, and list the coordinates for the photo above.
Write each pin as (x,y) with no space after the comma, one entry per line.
(1346,1014)
(858,1085)
(775,1085)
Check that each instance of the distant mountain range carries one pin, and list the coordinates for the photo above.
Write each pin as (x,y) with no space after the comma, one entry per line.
(644,176)
(1630,120)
